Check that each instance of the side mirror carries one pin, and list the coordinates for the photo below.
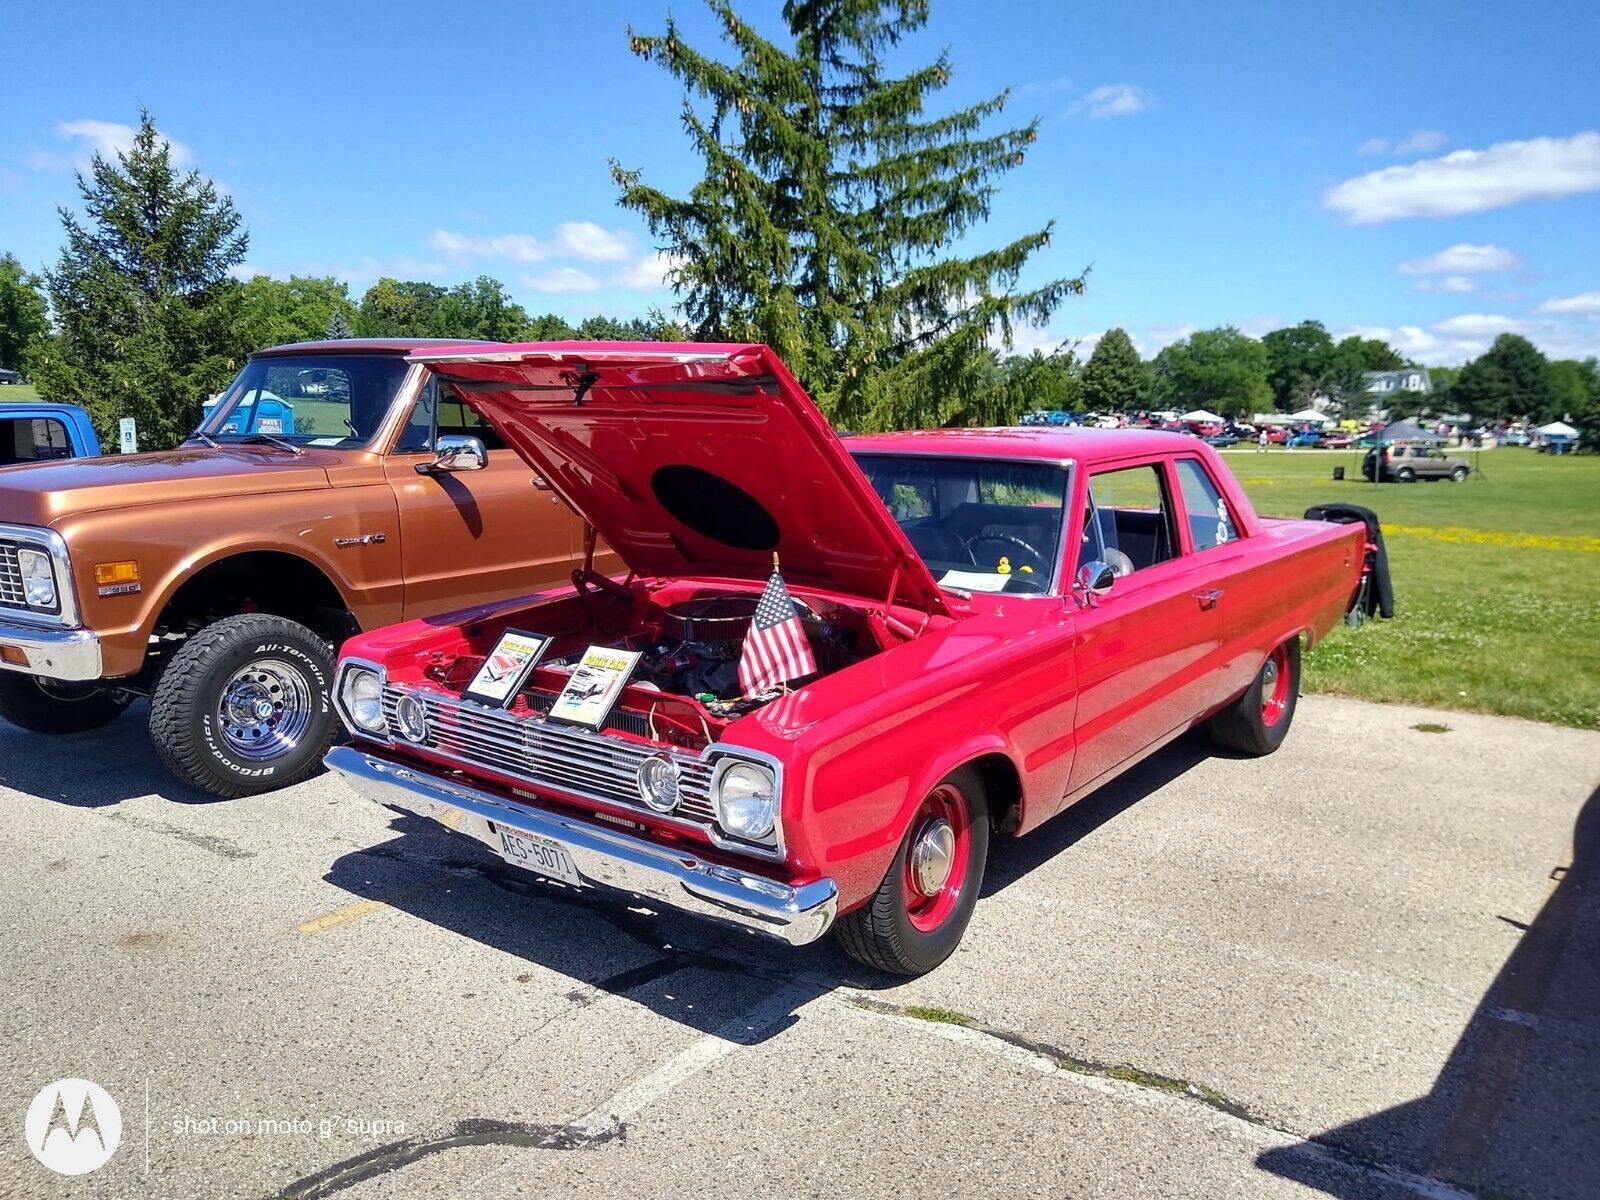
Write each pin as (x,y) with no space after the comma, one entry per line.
(1095,578)
(459,452)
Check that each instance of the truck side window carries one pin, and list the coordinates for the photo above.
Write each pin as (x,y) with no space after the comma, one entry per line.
(32,439)
(1210,522)
(454,417)
(1128,522)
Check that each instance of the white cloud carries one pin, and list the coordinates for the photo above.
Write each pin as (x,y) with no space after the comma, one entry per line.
(1483,325)
(1463,259)
(648,274)
(1112,100)
(88,137)
(1585,304)
(1450,285)
(1468,181)
(588,241)
(1420,142)
(561,279)
(510,247)
(1456,339)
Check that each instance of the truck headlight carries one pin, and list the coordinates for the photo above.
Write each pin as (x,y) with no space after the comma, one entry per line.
(361,697)
(745,797)
(38,578)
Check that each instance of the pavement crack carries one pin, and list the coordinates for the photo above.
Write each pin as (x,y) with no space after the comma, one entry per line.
(472,1131)
(219,846)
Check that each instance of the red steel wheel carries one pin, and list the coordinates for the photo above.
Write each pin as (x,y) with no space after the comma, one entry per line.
(915,919)
(1275,686)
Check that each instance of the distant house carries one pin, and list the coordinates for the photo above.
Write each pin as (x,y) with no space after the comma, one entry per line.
(1407,379)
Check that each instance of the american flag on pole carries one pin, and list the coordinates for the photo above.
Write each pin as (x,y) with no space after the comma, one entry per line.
(775,649)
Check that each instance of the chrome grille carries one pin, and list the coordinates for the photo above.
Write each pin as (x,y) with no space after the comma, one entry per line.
(563,757)
(11,593)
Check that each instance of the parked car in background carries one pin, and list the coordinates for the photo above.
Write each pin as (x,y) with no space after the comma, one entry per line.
(1515,437)
(44,433)
(1303,439)
(1222,440)
(1336,440)
(980,627)
(1277,435)
(1407,462)
(220,577)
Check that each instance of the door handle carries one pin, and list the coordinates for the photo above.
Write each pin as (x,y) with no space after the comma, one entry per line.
(1208,600)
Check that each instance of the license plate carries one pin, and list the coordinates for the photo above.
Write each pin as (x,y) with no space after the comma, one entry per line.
(539,855)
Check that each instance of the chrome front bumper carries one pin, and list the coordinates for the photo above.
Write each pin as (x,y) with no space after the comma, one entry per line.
(604,857)
(71,655)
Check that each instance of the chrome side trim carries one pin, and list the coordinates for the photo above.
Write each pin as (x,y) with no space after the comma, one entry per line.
(608,858)
(70,655)
(66,593)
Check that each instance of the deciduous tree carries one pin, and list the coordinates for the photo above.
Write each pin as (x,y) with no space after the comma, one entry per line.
(1300,361)
(1510,379)
(1221,370)
(832,202)
(1116,379)
(23,320)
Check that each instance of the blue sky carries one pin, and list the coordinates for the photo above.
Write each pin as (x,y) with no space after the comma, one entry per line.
(1428,172)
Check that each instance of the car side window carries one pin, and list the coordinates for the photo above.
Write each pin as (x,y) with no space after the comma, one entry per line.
(1210,522)
(1128,521)
(33,439)
(454,417)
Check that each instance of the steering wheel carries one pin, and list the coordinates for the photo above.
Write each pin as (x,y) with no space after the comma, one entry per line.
(1038,564)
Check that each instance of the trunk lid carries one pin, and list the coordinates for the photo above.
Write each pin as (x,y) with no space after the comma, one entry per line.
(694,459)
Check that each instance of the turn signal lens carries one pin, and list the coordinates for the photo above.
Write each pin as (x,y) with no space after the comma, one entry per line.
(15,655)
(111,573)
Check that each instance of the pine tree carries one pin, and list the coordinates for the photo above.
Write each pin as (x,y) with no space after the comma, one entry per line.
(827,219)
(339,326)
(1116,379)
(140,294)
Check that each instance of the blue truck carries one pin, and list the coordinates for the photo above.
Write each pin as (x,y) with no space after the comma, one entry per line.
(35,432)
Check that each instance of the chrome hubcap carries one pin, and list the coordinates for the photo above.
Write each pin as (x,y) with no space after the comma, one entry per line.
(1269,675)
(265,709)
(932,855)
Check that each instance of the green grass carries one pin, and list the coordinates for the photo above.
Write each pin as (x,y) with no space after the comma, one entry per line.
(1497,583)
(18,393)
(939,1016)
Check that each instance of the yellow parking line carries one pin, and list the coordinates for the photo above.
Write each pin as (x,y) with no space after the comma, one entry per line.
(353,912)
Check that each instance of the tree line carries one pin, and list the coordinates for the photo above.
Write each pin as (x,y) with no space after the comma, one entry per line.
(837,218)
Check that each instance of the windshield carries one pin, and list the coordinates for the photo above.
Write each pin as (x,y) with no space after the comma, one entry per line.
(334,400)
(982,525)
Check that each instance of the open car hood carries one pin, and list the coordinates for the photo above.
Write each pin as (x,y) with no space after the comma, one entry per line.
(693,459)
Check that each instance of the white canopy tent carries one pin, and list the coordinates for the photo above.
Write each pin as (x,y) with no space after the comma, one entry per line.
(1311,414)
(1201,414)
(1558,429)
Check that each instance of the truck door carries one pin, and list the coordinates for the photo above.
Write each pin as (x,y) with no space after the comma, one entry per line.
(467,537)
(1146,651)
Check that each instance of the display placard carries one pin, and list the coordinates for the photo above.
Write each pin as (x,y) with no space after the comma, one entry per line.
(506,669)
(596,683)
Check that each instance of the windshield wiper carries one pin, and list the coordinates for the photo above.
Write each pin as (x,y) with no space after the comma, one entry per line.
(204,437)
(274,440)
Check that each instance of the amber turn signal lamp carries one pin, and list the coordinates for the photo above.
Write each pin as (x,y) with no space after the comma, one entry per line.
(13,655)
(106,574)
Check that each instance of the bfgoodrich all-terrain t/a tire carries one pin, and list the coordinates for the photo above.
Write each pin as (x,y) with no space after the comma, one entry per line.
(917,916)
(45,706)
(1257,722)
(245,706)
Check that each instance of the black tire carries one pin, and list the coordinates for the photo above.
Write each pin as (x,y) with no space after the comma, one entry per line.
(1406,475)
(1245,725)
(1459,475)
(881,933)
(267,660)
(47,706)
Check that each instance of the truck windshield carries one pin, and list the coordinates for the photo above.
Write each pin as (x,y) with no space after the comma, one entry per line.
(981,525)
(332,400)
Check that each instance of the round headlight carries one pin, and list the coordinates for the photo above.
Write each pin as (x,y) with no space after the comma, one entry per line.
(38,578)
(412,719)
(747,801)
(658,783)
(362,695)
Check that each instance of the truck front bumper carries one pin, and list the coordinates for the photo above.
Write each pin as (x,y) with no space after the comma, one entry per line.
(796,914)
(70,655)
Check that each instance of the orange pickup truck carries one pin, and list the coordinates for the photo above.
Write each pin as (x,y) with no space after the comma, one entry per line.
(330,489)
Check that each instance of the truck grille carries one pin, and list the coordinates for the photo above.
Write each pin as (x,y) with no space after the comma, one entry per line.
(10,577)
(562,757)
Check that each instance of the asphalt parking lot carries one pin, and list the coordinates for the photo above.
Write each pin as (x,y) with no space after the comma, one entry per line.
(1367,966)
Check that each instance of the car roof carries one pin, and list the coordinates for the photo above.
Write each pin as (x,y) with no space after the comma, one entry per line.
(364,346)
(1049,443)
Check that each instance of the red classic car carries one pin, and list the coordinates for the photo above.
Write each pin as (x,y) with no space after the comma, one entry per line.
(998,622)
